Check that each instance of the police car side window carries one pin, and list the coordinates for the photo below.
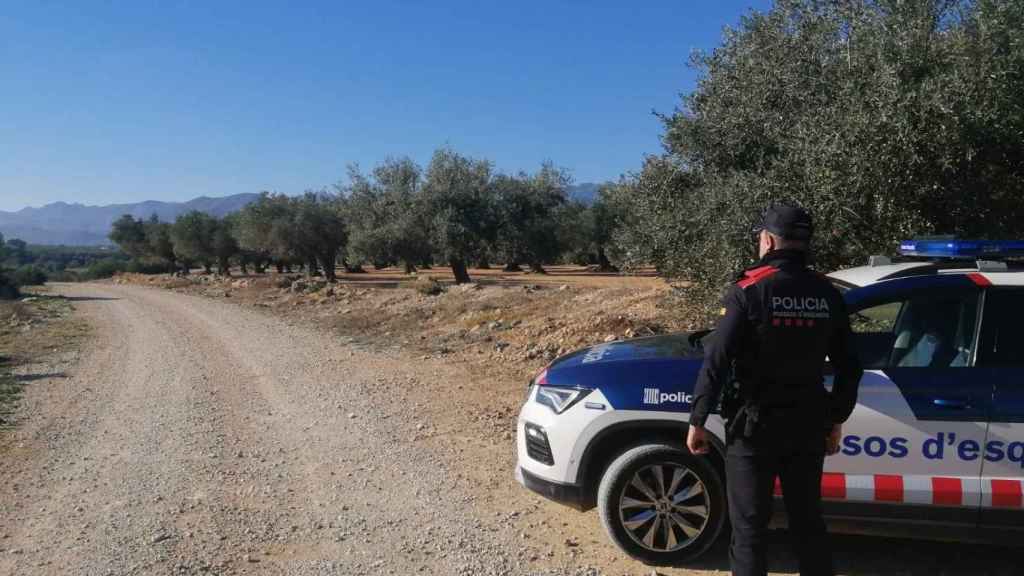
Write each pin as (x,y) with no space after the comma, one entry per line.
(922,332)
(936,331)
(873,333)
(880,318)
(1001,333)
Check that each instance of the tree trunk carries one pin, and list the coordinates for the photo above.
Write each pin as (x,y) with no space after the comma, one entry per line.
(280,267)
(224,267)
(603,264)
(512,267)
(537,268)
(460,272)
(208,267)
(311,267)
(357,269)
(409,267)
(243,265)
(260,266)
(327,260)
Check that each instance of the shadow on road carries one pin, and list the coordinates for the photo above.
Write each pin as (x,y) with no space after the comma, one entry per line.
(882,556)
(89,298)
(25,378)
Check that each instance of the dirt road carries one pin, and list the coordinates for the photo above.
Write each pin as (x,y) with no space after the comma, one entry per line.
(195,436)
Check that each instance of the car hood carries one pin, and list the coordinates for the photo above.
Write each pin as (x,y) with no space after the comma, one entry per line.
(656,373)
(680,345)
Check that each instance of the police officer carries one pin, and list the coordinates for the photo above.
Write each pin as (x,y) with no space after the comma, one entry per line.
(780,322)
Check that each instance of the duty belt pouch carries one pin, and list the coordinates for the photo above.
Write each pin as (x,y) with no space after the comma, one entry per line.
(743,424)
(753,415)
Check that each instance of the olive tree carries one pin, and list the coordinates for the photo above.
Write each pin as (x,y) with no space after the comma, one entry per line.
(265,229)
(8,289)
(459,197)
(885,118)
(129,234)
(194,235)
(158,240)
(319,232)
(526,211)
(386,216)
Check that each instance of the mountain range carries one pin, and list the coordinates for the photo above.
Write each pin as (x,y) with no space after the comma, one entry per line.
(81,225)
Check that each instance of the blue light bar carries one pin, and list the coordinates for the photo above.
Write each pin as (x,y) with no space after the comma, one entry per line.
(963,249)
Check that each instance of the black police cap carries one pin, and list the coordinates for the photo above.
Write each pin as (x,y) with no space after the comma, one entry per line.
(788,221)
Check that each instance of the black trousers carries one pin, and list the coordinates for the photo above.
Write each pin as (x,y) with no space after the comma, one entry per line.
(751,466)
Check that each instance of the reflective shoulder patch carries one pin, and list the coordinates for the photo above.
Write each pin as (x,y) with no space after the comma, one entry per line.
(755,275)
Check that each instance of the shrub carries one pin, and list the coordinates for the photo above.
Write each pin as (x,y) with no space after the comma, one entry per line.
(104,269)
(29,275)
(8,289)
(64,276)
(428,286)
(149,266)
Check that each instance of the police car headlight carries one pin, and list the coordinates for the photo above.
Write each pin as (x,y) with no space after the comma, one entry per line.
(559,399)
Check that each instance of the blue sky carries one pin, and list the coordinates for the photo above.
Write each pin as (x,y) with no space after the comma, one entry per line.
(108,102)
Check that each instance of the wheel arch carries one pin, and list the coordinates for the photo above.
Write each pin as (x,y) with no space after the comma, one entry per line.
(612,441)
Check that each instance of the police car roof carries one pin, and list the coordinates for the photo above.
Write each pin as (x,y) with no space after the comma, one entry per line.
(867,275)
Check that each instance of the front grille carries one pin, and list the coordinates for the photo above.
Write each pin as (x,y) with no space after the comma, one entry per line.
(537,446)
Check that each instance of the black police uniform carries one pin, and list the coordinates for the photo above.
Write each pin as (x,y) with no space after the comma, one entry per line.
(780,321)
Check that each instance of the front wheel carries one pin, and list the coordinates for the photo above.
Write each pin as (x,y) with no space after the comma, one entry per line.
(662,505)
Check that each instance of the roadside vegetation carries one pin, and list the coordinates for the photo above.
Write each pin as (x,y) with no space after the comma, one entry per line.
(457,212)
(887,119)
(37,329)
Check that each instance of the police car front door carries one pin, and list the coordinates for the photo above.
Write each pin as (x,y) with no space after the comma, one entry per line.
(913,446)
(1001,365)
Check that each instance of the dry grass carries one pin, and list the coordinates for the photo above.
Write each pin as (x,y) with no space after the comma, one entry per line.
(31,330)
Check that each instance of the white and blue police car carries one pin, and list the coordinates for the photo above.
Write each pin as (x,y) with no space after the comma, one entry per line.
(936,439)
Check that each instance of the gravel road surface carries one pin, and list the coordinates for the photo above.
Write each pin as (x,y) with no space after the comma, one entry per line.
(194,436)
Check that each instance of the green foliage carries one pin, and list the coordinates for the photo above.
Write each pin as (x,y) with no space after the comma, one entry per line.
(29,275)
(586,232)
(194,235)
(223,245)
(104,269)
(55,259)
(526,210)
(159,243)
(264,227)
(460,199)
(8,288)
(319,230)
(130,235)
(385,214)
(886,119)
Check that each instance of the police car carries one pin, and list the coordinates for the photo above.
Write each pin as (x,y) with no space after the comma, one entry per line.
(937,437)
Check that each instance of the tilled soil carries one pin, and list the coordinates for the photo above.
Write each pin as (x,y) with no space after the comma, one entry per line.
(195,436)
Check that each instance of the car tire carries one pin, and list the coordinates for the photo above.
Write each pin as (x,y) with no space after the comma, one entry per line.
(667,521)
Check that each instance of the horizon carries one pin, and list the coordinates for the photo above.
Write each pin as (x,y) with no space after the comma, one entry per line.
(121,104)
(187,200)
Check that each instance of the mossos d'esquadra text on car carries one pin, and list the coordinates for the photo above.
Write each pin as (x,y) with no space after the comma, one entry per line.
(936,440)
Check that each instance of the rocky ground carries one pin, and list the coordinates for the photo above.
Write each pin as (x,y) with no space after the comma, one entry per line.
(259,426)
